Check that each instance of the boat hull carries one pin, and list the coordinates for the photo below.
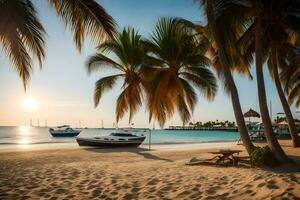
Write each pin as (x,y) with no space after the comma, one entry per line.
(108,144)
(73,134)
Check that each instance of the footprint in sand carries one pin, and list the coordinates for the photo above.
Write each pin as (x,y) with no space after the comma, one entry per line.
(213,190)
(60,191)
(261,185)
(184,193)
(153,181)
(272,185)
(167,188)
(257,178)
(135,189)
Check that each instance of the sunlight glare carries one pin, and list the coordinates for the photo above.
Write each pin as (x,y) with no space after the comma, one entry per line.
(30,104)
(24,134)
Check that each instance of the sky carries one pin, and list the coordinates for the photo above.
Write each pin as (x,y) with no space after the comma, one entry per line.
(62,92)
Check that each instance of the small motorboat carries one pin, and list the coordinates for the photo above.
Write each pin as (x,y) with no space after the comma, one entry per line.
(119,138)
(64,131)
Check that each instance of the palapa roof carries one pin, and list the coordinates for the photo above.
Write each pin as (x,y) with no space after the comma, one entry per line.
(251,113)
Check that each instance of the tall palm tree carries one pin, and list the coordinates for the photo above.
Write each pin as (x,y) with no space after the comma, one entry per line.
(23,36)
(127,49)
(214,23)
(239,63)
(278,56)
(261,21)
(179,66)
(276,18)
(255,17)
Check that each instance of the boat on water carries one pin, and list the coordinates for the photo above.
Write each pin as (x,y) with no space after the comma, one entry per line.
(119,138)
(64,131)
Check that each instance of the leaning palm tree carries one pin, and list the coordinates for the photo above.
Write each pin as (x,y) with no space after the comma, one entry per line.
(23,36)
(278,35)
(239,63)
(278,60)
(179,66)
(218,29)
(260,21)
(127,49)
(290,74)
(257,17)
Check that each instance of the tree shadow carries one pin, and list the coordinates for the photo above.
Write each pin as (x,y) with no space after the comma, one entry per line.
(285,168)
(139,151)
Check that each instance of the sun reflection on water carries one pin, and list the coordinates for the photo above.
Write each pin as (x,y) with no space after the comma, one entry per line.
(24,132)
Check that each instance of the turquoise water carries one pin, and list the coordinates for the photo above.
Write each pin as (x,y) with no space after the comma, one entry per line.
(36,135)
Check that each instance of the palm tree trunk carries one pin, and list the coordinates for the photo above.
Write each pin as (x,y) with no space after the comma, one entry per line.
(285,105)
(271,139)
(229,79)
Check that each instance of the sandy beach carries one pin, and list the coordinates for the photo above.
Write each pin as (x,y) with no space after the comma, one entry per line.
(77,173)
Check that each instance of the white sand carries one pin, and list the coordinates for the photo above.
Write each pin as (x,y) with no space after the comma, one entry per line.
(77,173)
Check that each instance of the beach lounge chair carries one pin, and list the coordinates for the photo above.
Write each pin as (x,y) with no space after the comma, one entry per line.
(238,159)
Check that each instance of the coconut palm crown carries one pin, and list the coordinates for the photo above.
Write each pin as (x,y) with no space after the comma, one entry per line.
(179,66)
(127,50)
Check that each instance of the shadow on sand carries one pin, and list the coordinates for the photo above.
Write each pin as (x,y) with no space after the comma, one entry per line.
(139,151)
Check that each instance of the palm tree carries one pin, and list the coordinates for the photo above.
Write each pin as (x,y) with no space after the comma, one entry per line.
(278,56)
(266,14)
(127,48)
(219,39)
(23,36)
(290,74)
(239,63)
(179,66)
(261,21)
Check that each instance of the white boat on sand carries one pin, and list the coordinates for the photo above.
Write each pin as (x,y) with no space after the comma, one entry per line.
(119,138)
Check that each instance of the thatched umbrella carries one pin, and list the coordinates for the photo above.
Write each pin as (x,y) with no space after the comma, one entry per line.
(284,123)
(251,113)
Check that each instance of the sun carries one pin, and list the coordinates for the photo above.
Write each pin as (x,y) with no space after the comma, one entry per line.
(30,104)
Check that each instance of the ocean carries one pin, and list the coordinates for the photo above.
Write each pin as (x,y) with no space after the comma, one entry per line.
(20,136)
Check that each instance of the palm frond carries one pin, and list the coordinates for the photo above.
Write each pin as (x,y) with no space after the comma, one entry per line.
(22,36)
(203,79)
(189,94)
(104,84)
(98,61)
(85,17)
